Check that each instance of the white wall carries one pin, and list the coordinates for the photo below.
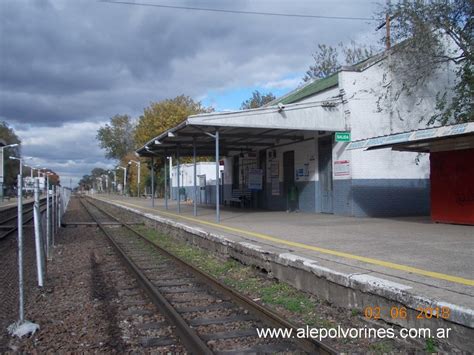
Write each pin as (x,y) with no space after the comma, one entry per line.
(187,173)
(305,153)
(374,110)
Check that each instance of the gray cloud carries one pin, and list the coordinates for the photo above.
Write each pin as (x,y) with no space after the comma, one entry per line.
(65,62)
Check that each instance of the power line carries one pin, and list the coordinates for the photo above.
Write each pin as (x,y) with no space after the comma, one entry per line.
(239,11)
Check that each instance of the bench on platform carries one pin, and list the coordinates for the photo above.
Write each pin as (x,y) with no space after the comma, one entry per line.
(240,197)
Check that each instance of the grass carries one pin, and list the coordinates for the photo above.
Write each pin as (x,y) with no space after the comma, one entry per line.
(381,347)
(245,279)
(430,346)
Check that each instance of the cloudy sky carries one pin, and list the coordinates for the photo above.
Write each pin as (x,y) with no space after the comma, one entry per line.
(67,66)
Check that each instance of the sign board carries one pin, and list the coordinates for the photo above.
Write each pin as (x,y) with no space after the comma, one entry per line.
(274,165)
(343,136)
(342,168)
(255,179)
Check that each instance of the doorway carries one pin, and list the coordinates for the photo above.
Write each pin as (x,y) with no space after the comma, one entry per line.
(325,173)
(289,188)
(262,162)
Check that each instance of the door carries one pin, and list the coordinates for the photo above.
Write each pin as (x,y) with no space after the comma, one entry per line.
(289,179)
(325,173)
(262,164)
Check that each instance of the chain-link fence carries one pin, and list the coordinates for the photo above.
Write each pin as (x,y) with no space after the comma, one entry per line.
(38,236)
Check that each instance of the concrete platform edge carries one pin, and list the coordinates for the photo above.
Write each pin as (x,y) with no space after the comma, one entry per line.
(346,290)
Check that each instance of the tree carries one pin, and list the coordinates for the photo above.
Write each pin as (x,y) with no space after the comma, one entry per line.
(8,136)
(117,137)
(327,59)
(163,115)
(156,119)
(258,99)
(86,182)
(432,33)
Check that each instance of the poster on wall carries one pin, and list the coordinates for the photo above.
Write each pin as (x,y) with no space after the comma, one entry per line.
(274,167)
(255,179)
(275,186)
(342,168)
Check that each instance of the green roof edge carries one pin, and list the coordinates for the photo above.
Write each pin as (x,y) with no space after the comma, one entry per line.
(311,89)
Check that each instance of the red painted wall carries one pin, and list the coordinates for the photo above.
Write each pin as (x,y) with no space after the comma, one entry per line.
(452,186)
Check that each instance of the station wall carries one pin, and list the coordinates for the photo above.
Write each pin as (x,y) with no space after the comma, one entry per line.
(364,183)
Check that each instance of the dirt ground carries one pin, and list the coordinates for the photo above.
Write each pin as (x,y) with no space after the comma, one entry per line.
(83,306)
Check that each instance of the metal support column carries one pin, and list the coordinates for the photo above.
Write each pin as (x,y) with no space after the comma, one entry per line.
(194,179)
(177,173)
(166,183)
(38,241)
(152,182)
(125,181)
(218,212)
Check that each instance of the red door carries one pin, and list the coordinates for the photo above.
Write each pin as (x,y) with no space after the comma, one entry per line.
(452,186)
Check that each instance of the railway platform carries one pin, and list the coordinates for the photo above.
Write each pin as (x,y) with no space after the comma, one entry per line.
(352,262)
(9,203)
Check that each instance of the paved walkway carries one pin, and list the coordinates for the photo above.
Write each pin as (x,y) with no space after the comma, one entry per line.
(434,260)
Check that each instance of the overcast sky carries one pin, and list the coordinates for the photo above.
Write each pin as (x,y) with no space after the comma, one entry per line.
(67,66)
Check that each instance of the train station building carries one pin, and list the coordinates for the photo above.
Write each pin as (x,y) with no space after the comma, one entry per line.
(295,154)
(451,150)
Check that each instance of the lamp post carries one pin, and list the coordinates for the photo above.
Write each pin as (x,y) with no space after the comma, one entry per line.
(20,173)
(124,178)
(21,160)
(20,240)
(138,174)
(106,176)
(2,165)
(114,183)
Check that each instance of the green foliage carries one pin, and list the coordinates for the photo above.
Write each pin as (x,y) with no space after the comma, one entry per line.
(431,34)
(430,345)
(88,182)
(163,115)
(117,137)
(328,59)
(258,99)
(244,279)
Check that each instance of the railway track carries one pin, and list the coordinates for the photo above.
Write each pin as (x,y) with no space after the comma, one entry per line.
(207,316)
(8,220)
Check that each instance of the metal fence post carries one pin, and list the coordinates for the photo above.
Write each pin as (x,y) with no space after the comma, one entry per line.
(21,327)
(53,213)
(48,220)
(59,197)
(20,249)
(38,244)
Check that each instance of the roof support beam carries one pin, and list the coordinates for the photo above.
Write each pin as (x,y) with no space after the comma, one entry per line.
(248,136)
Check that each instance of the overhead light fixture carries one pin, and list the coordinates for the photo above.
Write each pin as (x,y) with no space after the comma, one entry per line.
(281,107)
(157,142)
(171,134)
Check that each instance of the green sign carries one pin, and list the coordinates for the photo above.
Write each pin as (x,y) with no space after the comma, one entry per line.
(343,136)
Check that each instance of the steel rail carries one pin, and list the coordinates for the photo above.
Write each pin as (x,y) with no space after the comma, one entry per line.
(14,228)
(187,335)
(310,345)
(14,209)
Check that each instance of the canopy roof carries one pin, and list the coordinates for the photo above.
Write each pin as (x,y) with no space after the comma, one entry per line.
(246,130)
(452,137)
